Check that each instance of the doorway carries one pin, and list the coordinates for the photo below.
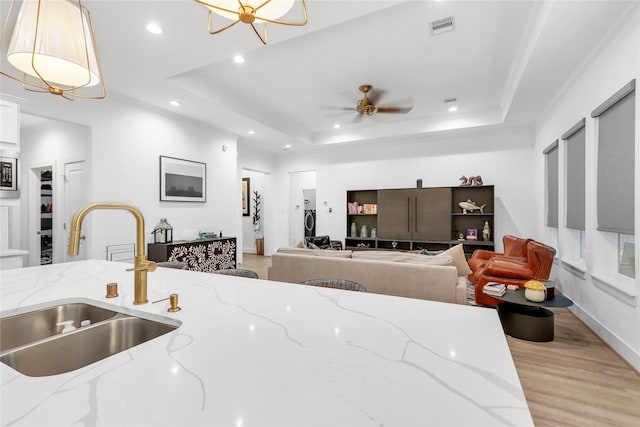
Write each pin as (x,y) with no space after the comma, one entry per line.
(53,200)
(299,183)
(309,197)
(42,236)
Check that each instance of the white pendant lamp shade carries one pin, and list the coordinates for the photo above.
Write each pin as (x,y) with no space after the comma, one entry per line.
(52,40)
(274,9)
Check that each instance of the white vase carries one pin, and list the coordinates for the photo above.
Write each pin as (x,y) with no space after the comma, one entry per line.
(535,295)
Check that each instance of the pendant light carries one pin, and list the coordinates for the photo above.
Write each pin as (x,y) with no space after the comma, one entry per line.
(251,12)
(53,48)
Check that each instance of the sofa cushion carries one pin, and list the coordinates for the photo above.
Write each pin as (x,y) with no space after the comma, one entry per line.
(315,252)
(397,256)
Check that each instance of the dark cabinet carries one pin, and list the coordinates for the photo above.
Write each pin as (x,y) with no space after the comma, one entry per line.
(200,255)
(416,218)
(415,214)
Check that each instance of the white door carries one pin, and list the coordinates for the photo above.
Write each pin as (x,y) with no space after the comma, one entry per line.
(74,197)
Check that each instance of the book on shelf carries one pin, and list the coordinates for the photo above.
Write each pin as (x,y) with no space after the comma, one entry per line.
(370,208)
(494,289)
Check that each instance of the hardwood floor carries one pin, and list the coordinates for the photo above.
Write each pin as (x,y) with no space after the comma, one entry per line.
(257,263)
(575,380)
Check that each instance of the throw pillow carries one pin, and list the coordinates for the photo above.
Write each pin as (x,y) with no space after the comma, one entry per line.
(300,244)
(312,245)
(430,253)
(458,259)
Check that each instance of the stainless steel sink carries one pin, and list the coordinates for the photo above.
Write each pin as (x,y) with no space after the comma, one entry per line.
(45,350)
(41,323)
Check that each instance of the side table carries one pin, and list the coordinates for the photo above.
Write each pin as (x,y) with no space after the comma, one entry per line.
(528,320)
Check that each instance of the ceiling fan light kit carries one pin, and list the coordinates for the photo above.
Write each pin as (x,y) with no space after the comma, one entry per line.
(52,48)
(367,105)
(252,12)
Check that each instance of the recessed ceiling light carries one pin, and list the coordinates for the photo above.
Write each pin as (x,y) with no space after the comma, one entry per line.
(154,28)
(287,146)
(238,59)
(174,103)
(336,126)
(451,102)
(252,132)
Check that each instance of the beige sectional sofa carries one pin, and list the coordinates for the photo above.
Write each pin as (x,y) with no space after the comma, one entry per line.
(436,278)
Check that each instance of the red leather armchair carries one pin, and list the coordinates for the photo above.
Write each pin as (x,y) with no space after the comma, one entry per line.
(511,271)
(513,247)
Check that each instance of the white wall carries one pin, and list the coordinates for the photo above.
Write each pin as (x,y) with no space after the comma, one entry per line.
(126,147)
(609,307)
(123,146)
(501,157)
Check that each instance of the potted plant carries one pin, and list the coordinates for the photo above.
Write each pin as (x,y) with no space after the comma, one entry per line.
(257,201)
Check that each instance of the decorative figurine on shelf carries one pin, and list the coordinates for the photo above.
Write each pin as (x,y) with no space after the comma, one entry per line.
(354,228)
(257,201)
(486,232)
(470,206)
(363,231)
(374,233)
(472,180)
(163,232)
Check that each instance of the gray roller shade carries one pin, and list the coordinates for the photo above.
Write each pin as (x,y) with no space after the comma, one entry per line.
(551,154)
(575,176)
(616,161)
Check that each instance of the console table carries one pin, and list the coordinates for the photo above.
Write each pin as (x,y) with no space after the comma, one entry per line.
(201,255)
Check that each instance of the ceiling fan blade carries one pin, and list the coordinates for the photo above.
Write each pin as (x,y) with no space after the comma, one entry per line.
(376,94)
(329,107)
(396,110)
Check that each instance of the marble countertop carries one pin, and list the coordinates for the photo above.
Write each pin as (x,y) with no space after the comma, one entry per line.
(252,352)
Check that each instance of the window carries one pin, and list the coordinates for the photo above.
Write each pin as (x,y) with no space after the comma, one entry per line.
(616,172)
(626,255)
(551,155)
(575,176)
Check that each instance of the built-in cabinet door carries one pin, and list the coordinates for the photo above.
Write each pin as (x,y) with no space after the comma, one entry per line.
(395,214)
(432,214)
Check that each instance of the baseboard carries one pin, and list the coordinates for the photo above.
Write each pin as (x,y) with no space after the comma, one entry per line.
(611,339)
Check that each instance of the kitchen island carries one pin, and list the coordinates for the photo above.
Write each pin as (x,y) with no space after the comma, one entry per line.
(253,352)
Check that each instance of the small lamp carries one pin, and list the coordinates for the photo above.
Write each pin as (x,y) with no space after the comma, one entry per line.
(163,232)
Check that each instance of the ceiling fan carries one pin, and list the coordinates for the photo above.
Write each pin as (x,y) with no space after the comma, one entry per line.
(367,106)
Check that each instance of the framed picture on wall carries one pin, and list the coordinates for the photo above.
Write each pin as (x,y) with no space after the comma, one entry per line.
(246,191)
(8,174)
(182,180)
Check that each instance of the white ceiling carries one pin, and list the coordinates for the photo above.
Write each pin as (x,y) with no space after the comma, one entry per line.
(505,62)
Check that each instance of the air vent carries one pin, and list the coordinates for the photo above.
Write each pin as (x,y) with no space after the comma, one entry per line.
(442,26)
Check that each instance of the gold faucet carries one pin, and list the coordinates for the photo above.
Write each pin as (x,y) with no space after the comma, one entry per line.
(141,265)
